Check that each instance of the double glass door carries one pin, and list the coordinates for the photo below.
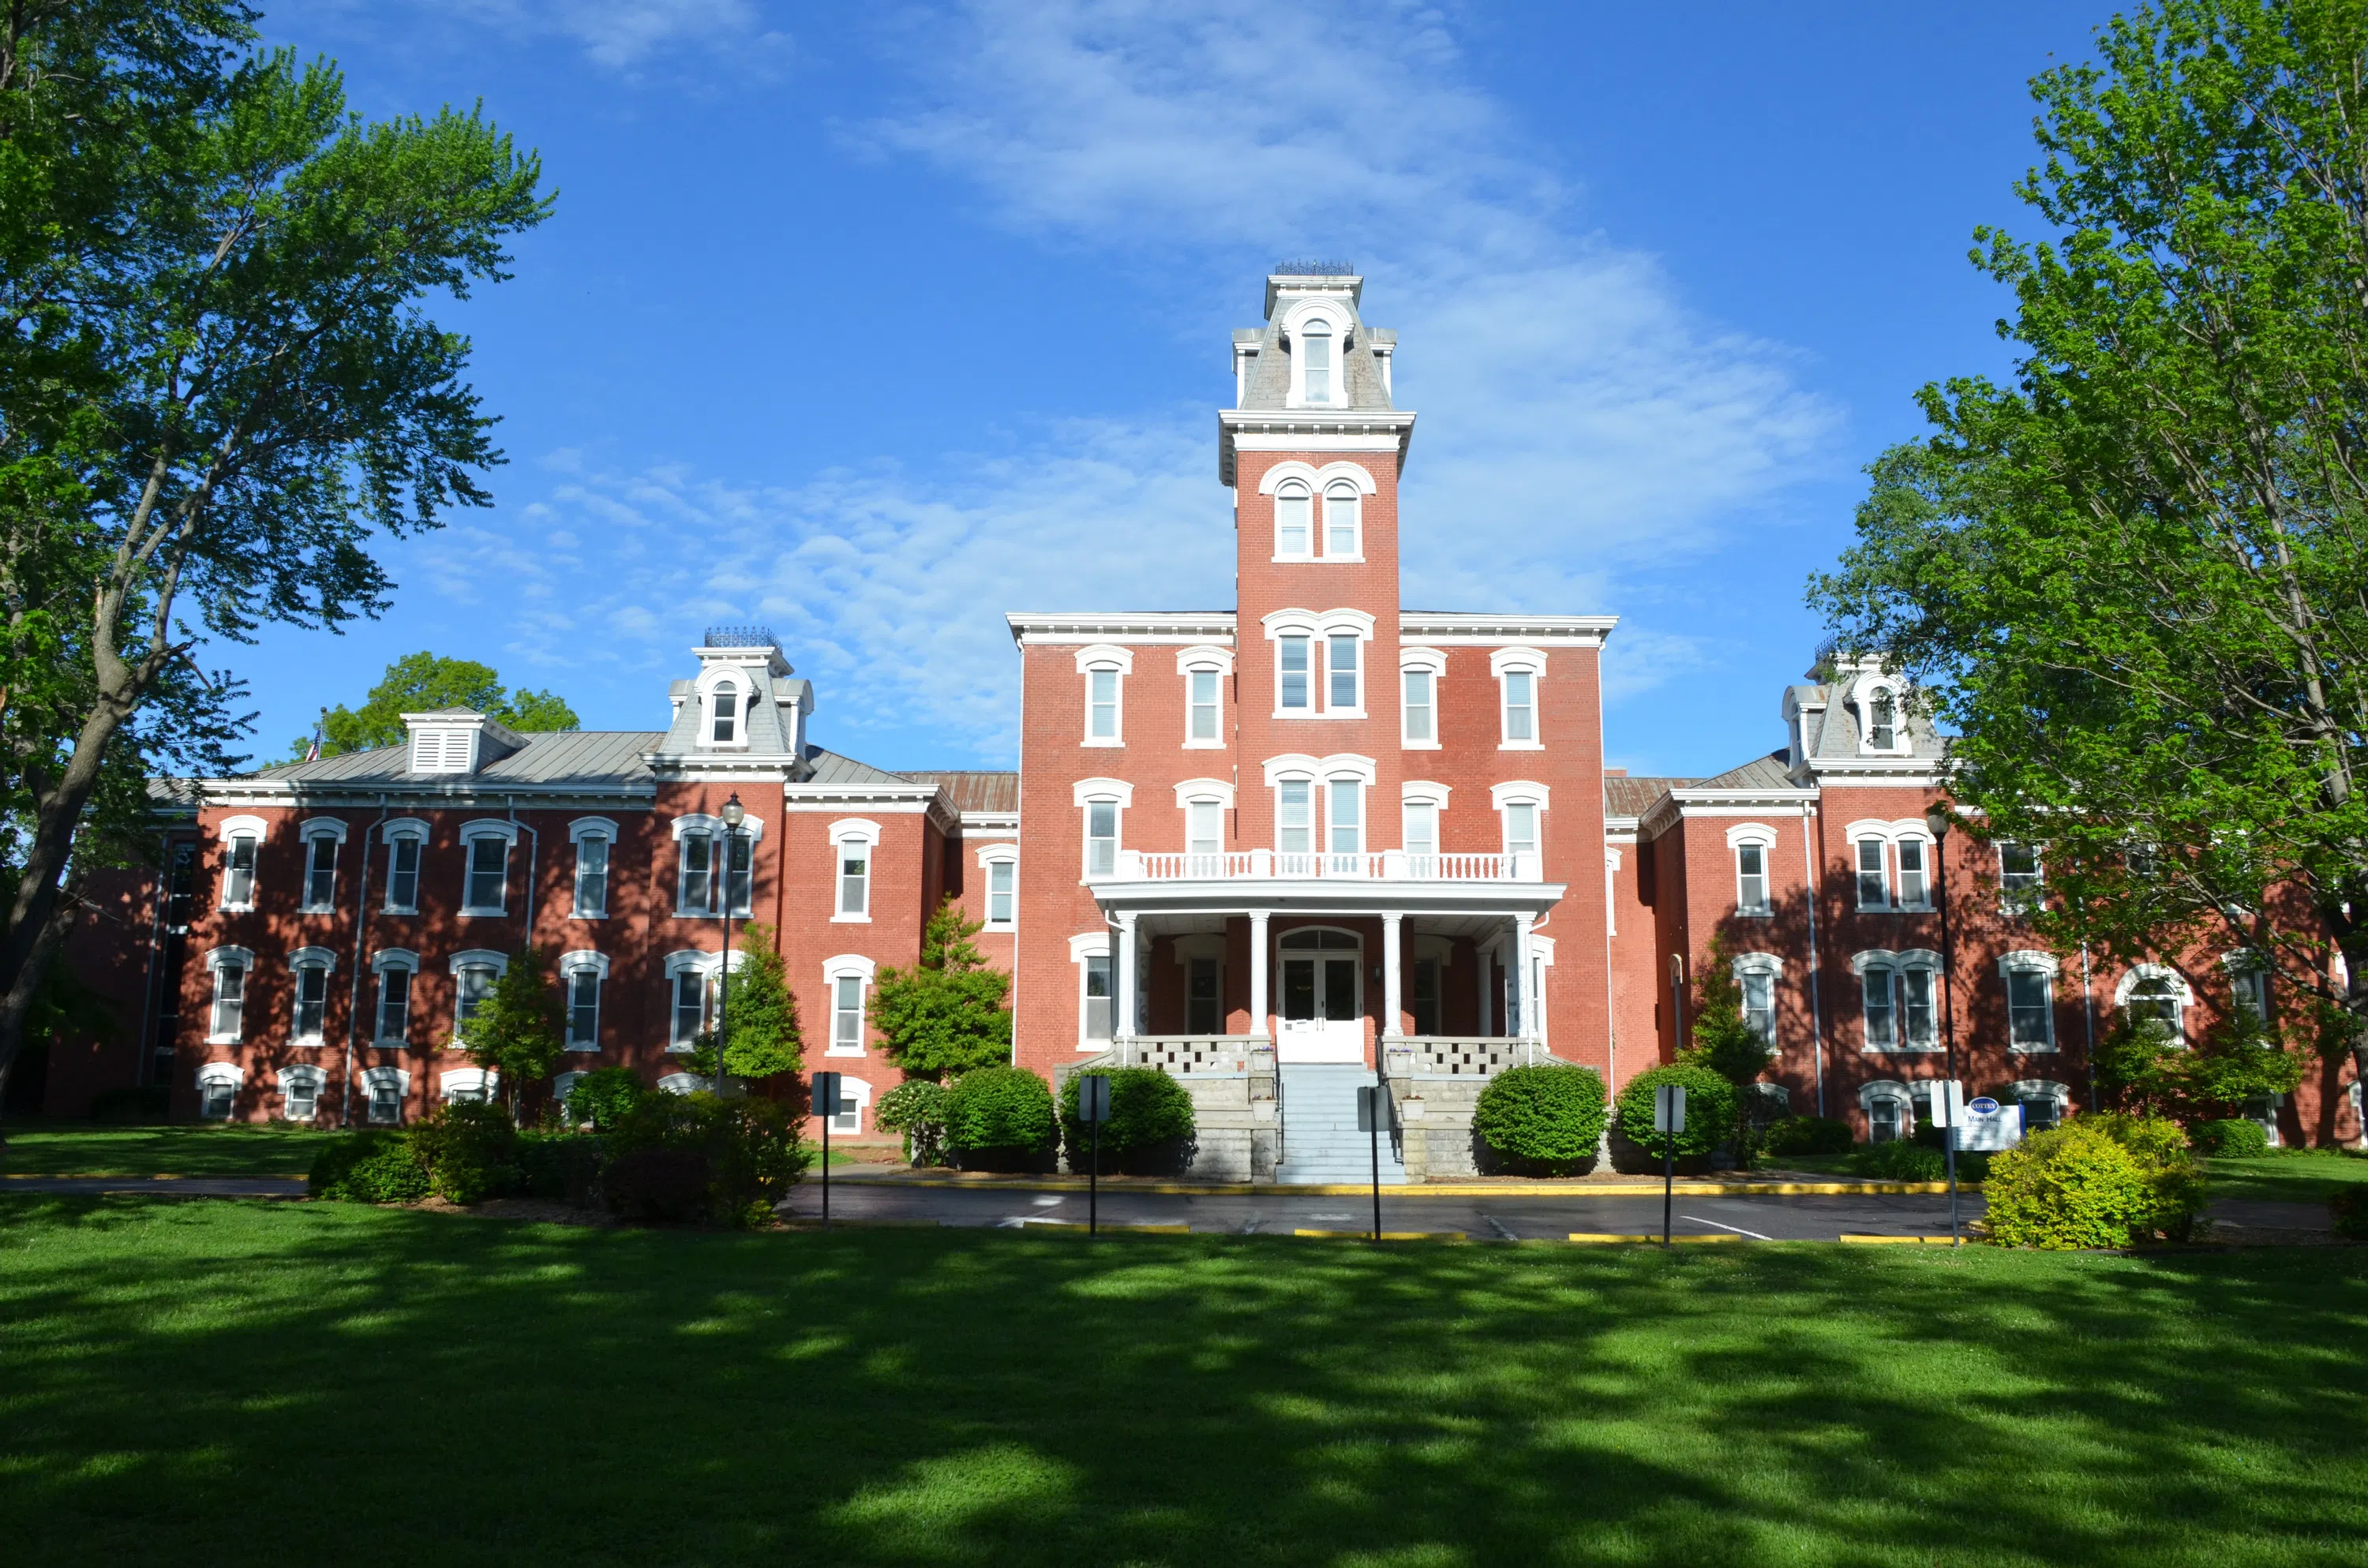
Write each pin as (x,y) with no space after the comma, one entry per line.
(1323,1012)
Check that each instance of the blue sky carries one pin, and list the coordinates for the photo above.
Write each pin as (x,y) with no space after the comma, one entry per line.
(871,324)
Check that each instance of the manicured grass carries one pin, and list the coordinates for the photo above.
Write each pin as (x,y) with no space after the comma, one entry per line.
(81,1148)
(2292,1176)
(213,1382)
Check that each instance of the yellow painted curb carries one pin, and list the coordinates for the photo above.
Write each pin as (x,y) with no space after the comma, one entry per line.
(1388,1235)
(1609,1236)
(1696,1188)
(1895,1241)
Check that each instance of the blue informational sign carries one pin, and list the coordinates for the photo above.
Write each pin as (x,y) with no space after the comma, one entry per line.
(1981,1107)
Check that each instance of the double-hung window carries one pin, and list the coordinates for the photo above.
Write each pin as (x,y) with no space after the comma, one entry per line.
(238,872)
(385,1098)
(854,880)
(300,1092)
(1101,838)
(1295,816)
(1915,1007)
(475,987)
(321,872)
(1422,835)
(220,1094)
(1100,1004)
(2252,984)
(1759,1003)
(1874,882)
(1340,521)
(2029,1010)
(1898,1003)
(583,1008)
(1340,672)
(1102,700)
(592,876)
(1421,722)
(1344,816)
(489,861)
(1881,1015)
(1521,706)
(2019,872)
(689,1009)
(847,1014)
(1520,827)
(311,999)
(1293,522)
(696,893)
(393,1003)
(1912,874)
(1883,721)
(403,874)
(229,1001)
(1204,833)
(1751,879)
(737,853)
(724,716)
(1204,688)
(1295,695)
(1002,892)
(1316,350)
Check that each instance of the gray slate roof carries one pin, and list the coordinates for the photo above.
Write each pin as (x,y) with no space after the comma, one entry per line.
(1771,772)
(830,768)
(557,756)
(1268,383)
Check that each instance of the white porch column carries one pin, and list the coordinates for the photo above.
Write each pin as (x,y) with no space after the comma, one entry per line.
(1485,980)
(1390,992)
(1524,1021)
(1126,1013)
(1257,975)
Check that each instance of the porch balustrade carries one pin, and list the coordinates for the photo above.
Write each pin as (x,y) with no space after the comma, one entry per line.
(1273,865)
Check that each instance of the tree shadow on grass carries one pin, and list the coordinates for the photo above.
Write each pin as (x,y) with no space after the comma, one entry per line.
(204,1382)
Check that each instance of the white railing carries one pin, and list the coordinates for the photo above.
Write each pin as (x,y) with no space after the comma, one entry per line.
(1275,865)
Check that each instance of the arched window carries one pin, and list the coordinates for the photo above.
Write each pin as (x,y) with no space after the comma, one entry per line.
(1316,353)
(2152,992)
(1342,536)
(723,715)
(1882,721)
(1294,521)
(1900,995)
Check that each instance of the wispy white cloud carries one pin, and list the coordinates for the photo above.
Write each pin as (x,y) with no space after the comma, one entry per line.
(626,37)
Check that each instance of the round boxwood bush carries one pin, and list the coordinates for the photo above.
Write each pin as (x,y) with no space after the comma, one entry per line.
(2097,1181)
(2234,1140)
(470,1151)
(1546,1121)
(916,1107)
(1710,1109)
(369,1167)
(1810,1135)
(604,1096)
(999,1116)
(1150,1128)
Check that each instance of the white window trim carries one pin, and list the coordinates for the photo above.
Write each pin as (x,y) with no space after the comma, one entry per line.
(212,1072)
(578,831)
(1320,773)
(1414,790)
(1104,656)
(1364,783)
(302,958)
(312,828)
(835,970)
(230,828)
(2041,1088)
(485,1081)
(752,827)
(1891,835)
(382,960)
(1862,697)
(417,831)
(2137,974)
(703,961)
(481,958)
(855,1095)
(2030,961)
(1889,1089)
(842,833)
(394,957)
(712,679)
(323,827)
(1323,527)
(1520,791)
(302,1073)
(372,1079)
(1083,794)
(1093,945)
(215,958)
(569,965)
(1216,790)
(1764,836)
(1534,662)
(1294,321)
(1434,661)
(485,828)
(989,857)
(682,1084)
(1317,627)
(1202,660)
(1896,961)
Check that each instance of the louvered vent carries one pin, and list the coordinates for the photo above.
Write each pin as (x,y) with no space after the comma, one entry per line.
(438,749)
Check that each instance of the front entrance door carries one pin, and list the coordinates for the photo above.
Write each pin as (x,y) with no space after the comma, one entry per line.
(1323,1015)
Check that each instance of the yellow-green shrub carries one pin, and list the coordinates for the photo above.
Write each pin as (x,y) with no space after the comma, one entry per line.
(2097,1181)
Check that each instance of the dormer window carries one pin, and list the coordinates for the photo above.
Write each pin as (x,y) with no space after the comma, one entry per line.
(1316,350)
(723,717)
(1882,722)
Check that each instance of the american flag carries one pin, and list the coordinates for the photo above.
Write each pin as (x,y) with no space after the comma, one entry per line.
(312,751)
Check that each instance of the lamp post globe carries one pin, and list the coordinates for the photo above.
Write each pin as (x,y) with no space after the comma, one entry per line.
(1937,820)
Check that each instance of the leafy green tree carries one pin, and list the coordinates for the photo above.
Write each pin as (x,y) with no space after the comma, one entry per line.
(2142,1069)
(946,1014)
(1724,1039)
(419,682)
(761,1017)
(516,1030)
(218,386)
(2131,579)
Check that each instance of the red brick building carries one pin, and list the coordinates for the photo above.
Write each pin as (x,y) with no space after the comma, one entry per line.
(1269,848)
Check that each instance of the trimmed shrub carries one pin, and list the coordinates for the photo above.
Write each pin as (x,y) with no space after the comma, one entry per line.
(1810,1135)
(470,1149)
(1000,1117)
(1902,1161)
(604,1096)
(369,1167)
(1545,1120)
(675,1157)
(916,1108)
(1150,1128)
(2348,1207)
(561,1167)
(2097,1181)
(1710,1109)
(2233,1139)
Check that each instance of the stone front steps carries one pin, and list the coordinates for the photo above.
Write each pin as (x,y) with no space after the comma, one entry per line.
(1321,1141)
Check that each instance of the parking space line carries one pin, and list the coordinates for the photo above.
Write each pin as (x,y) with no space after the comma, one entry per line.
(1697,1219)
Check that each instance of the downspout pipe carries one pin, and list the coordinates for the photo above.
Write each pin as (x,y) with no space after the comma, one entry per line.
(534,894)
(1817,999)
(354,999)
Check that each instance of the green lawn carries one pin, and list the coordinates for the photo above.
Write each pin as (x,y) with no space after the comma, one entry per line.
(82,1148)
(2294,1176)
(213,1382)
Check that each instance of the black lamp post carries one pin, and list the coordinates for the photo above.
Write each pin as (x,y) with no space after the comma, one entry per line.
(733,815)
(1937,820)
